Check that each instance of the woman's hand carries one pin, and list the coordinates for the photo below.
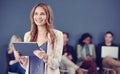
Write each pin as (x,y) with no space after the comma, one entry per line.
(23,60)
(17,55)
(85,59)
(41,54)
(88,58)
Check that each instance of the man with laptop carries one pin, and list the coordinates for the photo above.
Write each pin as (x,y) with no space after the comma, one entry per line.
(108,53)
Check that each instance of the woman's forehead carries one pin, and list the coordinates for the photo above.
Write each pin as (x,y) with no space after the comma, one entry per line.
(39,9)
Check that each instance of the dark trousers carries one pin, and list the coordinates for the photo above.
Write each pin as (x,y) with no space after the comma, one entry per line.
(91,66)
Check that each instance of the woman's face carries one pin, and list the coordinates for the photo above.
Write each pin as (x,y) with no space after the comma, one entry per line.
(87,40)
(66,39)
(39,16)
(108,38)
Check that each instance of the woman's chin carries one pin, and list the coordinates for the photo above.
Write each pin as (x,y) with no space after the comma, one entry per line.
(40,24)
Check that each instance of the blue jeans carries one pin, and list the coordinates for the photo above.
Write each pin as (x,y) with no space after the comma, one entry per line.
(17,68)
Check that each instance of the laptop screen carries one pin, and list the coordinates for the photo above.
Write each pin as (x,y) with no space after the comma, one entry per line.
(111,51)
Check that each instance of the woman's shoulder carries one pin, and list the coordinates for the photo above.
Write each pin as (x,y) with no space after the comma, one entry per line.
(91,45)
(114,44)
(57,31)
(79,46)
(27,33)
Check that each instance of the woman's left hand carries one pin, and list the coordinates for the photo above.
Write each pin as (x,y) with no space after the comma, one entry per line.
(90,58)
(41,54)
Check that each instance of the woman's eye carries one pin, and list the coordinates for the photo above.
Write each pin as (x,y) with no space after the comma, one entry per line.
(35,13)
(39,14)
(42,13)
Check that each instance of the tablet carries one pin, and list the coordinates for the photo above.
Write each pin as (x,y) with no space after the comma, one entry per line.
(111,51)
(26,48)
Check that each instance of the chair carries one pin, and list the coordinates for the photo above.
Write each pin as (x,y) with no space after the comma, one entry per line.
(85,71)
(63,71)
(108,71)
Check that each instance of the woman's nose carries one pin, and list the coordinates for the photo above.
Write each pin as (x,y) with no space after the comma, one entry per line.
(39,17)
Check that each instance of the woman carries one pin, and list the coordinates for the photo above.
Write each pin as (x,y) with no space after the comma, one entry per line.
(13,58)
(86,54)
(50,41)
(108,62)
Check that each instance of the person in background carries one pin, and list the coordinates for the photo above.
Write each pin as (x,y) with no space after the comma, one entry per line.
(86,54)
(108,62)
(50,41)
(68,50)
(67,58)
(13,58)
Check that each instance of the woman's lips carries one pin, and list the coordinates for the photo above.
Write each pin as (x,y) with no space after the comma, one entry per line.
(39,21)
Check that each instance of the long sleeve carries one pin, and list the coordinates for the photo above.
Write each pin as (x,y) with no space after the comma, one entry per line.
(79,55)
(54,59)
(93,52)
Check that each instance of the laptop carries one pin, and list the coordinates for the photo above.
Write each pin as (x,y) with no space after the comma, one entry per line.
(111,51)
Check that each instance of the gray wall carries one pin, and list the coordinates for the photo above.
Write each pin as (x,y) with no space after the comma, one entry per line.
(73,16)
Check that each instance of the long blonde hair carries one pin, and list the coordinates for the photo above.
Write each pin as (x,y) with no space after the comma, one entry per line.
(13,39)
(49,23)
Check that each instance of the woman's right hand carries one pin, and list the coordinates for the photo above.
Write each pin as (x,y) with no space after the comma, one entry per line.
(84,58)
(23,60)
(19,57)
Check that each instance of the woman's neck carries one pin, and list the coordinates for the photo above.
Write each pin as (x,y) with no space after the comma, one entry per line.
(42,30)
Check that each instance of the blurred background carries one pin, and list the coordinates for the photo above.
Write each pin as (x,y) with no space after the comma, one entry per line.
(73,16)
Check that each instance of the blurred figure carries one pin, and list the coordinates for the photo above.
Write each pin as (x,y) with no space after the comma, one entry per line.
(13,58)
(67,62)
(108,62)
(68,50)
(86,54)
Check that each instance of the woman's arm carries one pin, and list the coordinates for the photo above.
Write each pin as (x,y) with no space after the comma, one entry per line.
(55,59)
(93,52)
(79,55)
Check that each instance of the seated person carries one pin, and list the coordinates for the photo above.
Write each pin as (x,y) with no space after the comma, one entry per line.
(13,58)
(107,62)
(68,49)
(68,57)
(86,54)
(72,68)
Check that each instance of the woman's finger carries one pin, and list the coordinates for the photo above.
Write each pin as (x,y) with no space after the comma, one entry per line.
(41,49)
(22,59)
(39,53)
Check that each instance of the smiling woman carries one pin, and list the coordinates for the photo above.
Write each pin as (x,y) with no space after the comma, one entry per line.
(50,41)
